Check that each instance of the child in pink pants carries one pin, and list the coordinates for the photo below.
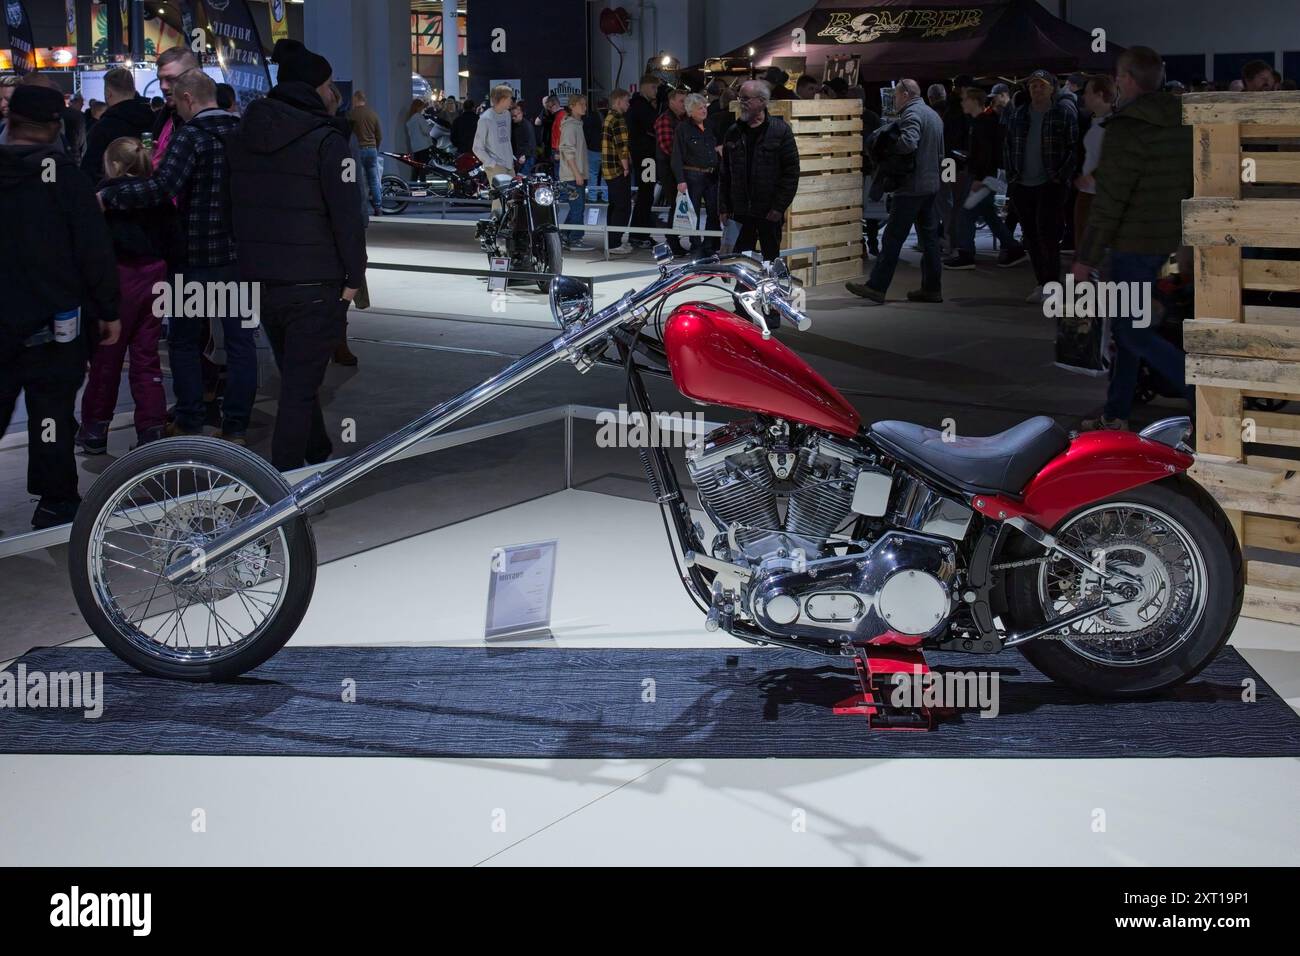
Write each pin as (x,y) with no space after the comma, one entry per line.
(143,240)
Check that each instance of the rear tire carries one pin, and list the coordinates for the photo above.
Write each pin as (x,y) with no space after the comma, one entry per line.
(392,188)
(109,604)
(1207,528)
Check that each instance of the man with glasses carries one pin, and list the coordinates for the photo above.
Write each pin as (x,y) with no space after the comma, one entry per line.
(759,172)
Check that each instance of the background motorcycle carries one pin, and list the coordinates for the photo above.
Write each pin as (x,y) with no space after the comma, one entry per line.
(441,176)
(1095,554)
(522,227)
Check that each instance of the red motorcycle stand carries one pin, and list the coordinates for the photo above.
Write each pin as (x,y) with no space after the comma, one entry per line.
(874,664)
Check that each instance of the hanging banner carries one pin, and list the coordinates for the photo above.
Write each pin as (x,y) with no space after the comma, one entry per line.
(21,45)
(279,20)
(238,47)
(70,21)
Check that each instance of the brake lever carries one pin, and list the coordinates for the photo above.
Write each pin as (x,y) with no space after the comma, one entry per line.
(747,301)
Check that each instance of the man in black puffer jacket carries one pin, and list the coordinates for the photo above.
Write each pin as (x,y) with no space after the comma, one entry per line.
(759,172)
(127,115)
(57,266)
(296,216)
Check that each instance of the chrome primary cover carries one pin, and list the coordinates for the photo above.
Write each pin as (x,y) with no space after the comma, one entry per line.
(902,584)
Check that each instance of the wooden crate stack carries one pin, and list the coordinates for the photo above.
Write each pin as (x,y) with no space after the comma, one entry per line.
(827,209)
(1248,458)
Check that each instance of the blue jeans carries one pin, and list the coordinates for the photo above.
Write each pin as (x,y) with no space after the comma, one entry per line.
(595,193)
(186,339)
(370,167)
(903,213)
(985,209)
(1134,346)
(576,197)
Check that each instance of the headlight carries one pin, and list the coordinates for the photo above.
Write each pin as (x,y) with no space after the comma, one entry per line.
(544,195)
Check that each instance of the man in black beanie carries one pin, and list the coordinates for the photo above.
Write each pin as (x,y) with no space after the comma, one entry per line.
(60,293)
(296,213)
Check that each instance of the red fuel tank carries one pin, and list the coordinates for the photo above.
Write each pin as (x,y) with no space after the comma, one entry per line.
(722,359)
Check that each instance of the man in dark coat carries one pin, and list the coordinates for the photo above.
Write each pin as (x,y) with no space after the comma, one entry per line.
(127,115)
(640,117)
(59,269)
(759,173)
(299,232)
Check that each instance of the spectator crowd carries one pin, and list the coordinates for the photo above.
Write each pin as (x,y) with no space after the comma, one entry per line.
(105,201)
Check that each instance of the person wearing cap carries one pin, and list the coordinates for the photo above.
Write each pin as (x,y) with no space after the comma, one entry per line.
(59,274)
(1135,218)
(296,212)
(920,132)
(193,175)
(1039,157)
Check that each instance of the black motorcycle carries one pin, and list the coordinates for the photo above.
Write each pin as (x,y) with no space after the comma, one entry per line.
(444,176)
(522,227)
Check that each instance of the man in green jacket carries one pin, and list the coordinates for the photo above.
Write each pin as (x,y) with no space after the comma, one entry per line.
(1144,175)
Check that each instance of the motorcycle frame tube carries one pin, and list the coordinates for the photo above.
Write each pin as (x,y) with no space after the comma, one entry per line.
(568,345)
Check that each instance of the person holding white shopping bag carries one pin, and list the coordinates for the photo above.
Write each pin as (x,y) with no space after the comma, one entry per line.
(695,167)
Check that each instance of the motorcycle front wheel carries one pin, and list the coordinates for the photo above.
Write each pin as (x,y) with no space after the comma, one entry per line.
(1175,539)
(166,501)
(550,258)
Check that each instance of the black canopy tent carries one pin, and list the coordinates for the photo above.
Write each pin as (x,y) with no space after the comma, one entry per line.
(932,38)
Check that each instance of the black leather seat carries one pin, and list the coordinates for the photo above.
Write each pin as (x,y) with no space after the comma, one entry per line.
(1001,463)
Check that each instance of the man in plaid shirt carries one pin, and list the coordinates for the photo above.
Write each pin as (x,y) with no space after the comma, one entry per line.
(615,169)
(665,127)
(194,173)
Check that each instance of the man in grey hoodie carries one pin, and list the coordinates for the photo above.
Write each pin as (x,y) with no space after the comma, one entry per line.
(492,143)
(920,132)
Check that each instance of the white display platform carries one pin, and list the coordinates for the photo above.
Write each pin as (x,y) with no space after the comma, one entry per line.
(430,589)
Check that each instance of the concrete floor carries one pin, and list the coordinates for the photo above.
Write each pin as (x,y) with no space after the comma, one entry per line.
(620,591)
(983,358)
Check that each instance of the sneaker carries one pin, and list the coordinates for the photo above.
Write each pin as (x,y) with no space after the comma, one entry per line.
(1036,297)
(962,260)
(176,430)
(51,512)
(144,436)
(92,437)
(860,288)
(1011,256)
(1102,423)
(620,250)
(580,246)
(923,295)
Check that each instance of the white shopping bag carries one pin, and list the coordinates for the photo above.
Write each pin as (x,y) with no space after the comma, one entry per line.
(684,212)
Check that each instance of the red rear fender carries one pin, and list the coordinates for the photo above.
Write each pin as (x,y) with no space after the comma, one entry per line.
(1095,466)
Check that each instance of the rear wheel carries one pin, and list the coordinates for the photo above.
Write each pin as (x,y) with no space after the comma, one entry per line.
(393,192)
(1175,539)
(165,502)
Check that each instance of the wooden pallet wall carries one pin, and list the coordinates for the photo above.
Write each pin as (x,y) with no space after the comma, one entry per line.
(1243,350)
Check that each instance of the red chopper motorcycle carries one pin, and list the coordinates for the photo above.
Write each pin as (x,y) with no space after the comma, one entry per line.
(1111,570)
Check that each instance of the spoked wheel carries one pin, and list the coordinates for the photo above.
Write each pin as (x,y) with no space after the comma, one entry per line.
(166,502)
(1159,630)
(393,193)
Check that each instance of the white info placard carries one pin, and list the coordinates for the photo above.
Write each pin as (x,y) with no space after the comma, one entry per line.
(520,588)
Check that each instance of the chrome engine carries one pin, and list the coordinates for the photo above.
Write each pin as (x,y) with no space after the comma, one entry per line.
(786,502)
